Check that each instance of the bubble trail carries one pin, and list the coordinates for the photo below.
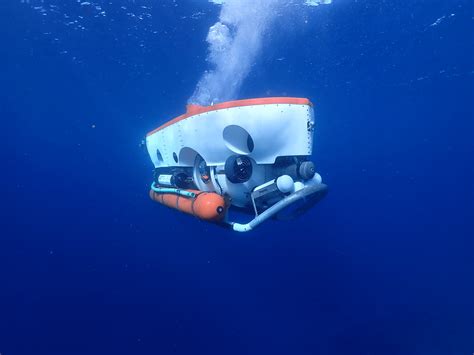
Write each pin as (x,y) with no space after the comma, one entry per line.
(235,42)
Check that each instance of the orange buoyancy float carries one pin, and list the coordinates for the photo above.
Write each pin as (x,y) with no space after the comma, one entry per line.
(208,206)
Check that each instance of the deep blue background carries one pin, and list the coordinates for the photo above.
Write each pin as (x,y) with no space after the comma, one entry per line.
(384,265)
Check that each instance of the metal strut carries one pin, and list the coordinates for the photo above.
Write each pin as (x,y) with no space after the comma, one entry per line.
(317,190)
(170,190)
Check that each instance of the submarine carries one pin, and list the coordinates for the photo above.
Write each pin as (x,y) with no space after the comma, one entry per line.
(249,158)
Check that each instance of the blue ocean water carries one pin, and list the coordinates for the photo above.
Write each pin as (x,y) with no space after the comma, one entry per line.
(383,265)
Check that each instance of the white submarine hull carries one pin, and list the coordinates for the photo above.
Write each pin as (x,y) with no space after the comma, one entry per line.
(254,154)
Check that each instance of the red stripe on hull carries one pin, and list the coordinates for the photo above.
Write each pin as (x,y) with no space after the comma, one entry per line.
(196,109)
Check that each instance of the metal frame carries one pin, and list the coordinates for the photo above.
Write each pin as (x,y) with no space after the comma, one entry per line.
(320,189)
